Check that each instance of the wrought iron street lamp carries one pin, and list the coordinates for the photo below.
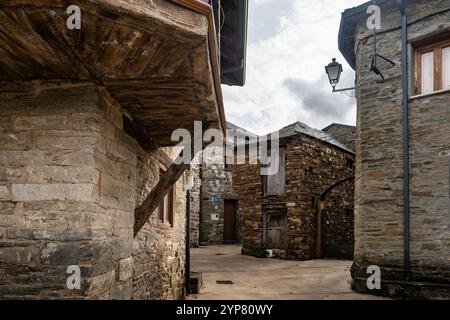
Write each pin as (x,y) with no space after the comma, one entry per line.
(334,70)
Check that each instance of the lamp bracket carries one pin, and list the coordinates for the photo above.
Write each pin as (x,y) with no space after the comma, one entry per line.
(342,90)
(374,64)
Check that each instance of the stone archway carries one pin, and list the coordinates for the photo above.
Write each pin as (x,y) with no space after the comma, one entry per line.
(335,220)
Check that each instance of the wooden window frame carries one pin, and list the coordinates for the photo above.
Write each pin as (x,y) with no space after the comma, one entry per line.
(436,48)
(282,151)
(227,166)
(350,164)
(171,194)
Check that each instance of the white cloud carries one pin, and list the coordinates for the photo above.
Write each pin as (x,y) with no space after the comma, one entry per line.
(289,46)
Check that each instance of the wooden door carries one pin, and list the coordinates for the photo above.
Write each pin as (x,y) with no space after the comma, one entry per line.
(275,235)
(229,224)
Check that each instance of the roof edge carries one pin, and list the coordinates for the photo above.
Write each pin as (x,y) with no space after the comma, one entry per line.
(338,125)
(347,29)
(206,9)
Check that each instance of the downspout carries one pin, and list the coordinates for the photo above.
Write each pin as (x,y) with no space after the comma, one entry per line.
(188,243)
(200,211)
(406,184)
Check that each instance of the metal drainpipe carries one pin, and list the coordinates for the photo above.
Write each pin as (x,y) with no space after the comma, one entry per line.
(200,211)
(188,242)
(406,198)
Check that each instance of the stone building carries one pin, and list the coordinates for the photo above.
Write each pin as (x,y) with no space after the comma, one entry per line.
(304,211)
(344,133)
(402,219)
(215,214)
(88,187)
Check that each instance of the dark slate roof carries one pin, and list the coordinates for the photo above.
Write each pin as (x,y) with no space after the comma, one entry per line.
(301,128)
(241,133)
(333,125)
(236,127)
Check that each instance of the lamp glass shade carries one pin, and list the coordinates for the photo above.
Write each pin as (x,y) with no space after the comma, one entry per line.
(334,70)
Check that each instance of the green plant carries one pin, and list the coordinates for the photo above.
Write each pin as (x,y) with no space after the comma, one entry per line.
(261,252)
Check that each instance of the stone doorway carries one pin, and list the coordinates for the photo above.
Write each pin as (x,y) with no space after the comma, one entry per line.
(229,223)
(335,222)
(275,229)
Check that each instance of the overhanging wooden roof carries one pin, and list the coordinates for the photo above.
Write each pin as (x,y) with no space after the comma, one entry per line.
(233,38)
(157,58)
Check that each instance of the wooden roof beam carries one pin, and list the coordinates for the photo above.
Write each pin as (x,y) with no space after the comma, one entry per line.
(151,203)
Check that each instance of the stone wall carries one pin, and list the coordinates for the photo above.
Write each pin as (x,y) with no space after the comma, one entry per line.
(217,186)
(195,194)
(379,181)
(312,166)
(338,221)
(213,184)
(70,179)
(159,249)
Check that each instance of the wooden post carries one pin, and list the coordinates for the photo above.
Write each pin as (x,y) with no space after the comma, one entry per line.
(170,177)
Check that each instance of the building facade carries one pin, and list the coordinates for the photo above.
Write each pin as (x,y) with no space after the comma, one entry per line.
(215,214)
(92,204)
(402,221)
(304,211)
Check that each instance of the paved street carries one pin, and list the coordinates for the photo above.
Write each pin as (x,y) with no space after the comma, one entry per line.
(269,279)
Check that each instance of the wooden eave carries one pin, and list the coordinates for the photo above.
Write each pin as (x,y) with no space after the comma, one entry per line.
(158,59)
(233,37)
(205,9)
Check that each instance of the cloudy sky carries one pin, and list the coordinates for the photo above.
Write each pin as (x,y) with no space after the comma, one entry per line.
(289,43)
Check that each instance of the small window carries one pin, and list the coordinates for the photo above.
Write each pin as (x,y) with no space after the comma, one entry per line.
(274,184)
(349,213)
(165,208)
(227,161)
(432,67)
(350,164)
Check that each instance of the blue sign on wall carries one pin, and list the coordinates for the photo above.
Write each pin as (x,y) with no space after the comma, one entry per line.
(216,200)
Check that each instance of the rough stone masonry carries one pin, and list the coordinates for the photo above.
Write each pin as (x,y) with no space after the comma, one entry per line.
(86,121)
(70,179)
(312,166)
(379,167)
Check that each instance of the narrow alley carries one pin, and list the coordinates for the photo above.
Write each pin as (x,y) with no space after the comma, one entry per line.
(269,279)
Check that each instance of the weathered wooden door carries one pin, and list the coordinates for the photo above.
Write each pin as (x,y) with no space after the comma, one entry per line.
(275,229)
(229,224)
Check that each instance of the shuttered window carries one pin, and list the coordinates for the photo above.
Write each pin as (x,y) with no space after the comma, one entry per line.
(165,209)
(446,68)
(432,64)
(427,72)
(274,184)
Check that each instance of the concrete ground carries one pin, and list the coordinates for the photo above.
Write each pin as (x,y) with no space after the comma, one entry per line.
(269,279)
